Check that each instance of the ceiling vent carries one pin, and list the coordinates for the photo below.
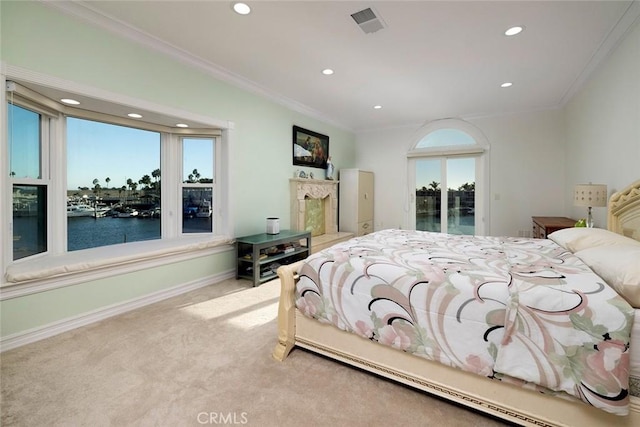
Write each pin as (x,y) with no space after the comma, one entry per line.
(368,21)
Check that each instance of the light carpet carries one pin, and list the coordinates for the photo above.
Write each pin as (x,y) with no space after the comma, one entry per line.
(202,358)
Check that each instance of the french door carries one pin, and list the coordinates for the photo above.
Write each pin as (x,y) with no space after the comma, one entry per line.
(444,196)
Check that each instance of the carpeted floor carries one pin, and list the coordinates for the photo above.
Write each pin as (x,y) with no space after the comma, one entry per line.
(202,358)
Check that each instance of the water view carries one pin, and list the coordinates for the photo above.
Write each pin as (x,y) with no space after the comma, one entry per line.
(88,232)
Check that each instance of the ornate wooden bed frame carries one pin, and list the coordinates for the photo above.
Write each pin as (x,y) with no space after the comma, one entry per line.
(512,403)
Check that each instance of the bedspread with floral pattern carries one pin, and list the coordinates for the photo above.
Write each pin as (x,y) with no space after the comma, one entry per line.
(517,310)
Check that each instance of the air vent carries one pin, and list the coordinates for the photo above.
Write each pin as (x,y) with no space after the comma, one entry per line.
(368,21)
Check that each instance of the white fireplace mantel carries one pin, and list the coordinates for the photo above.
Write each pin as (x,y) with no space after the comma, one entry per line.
(326,190)
(314,189)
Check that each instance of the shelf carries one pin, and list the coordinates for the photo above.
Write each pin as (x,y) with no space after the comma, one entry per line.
(272,258)
(252,268)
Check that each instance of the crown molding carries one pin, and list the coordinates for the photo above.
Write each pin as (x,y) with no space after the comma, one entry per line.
(85,12)
(616,35)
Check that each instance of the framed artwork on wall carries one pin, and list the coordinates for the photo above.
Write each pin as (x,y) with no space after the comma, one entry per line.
(310,148)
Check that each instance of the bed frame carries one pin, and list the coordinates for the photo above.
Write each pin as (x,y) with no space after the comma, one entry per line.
(505,401)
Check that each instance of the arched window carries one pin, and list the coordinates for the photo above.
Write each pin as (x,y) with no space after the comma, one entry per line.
(448,178)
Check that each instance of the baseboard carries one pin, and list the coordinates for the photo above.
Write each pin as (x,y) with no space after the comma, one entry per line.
(36,334)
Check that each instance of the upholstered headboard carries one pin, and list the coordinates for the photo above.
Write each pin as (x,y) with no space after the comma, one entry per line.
(624,211)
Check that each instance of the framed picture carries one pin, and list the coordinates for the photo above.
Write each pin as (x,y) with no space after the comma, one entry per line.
(310,148)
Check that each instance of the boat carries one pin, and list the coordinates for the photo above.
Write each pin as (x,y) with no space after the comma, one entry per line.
(204,210)
(126,213)
(78,210)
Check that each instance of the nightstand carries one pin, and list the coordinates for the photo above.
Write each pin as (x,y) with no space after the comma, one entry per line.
(545,225)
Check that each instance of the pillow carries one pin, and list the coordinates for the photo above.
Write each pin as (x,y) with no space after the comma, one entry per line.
(619,266)
(578,238)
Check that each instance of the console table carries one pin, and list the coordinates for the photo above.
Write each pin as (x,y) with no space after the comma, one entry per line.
(258,256)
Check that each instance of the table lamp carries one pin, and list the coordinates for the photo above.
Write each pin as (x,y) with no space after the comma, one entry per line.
(590,195)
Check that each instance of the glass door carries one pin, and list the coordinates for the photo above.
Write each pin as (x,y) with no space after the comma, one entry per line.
(445,194)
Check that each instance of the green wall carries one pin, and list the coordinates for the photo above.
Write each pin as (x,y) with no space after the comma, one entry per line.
(42,39)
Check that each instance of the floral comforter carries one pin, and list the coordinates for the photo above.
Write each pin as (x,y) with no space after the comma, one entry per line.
(517,310)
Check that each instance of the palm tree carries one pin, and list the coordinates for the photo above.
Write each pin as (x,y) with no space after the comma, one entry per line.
(107,180)
(96,188)
(467,187)
(196,175)
(146,181)
(156,182)
(130,185)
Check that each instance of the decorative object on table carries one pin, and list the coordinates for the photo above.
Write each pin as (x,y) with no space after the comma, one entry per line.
(302,174)
(590,195)
(329,169)
(273,225)
(310,148)
(582,222)
(310,175)
(296,174)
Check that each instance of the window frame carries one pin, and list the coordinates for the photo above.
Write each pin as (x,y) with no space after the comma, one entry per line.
(213,185)
(480,151)
(171,243)
(48,125)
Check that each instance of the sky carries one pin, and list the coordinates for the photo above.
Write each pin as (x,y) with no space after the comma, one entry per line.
(97,150)
(459,171)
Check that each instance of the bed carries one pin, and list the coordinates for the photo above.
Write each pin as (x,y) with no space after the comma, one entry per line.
(505,305)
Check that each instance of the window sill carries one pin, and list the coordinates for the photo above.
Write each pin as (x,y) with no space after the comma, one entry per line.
(49,272)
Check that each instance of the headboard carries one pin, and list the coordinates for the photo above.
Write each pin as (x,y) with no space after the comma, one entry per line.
(624,211)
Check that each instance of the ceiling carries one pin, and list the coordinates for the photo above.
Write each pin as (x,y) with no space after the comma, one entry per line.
(431,60)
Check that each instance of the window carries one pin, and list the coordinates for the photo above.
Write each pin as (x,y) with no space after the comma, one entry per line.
(111,195)
(28,133)
(83,179)
(447,178)
(198,160)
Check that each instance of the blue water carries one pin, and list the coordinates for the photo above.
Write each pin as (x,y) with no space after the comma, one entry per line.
(463,224)
(87,232)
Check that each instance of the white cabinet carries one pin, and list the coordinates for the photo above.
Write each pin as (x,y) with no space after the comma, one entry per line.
(356,201)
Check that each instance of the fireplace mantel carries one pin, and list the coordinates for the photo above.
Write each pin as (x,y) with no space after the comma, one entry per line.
(325,190)
(314,189)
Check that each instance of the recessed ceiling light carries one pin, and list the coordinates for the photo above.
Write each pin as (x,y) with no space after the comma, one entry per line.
(377,107)
(182,125)
(513,31)
(241,8)
(70,101)
(327,71)
(506,84)
(134,115)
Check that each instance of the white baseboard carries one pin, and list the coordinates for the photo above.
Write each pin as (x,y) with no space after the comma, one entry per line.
(41,332)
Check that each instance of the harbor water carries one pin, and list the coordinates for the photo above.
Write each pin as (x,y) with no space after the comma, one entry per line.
(88,232)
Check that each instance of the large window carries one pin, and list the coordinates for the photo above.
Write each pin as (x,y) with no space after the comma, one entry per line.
(113,184)
(83,179)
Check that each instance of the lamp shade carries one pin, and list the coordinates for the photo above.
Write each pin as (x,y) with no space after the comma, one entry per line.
(590,195)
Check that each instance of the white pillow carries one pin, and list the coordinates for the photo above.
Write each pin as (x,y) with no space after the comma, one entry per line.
(578,238)
(619,266)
